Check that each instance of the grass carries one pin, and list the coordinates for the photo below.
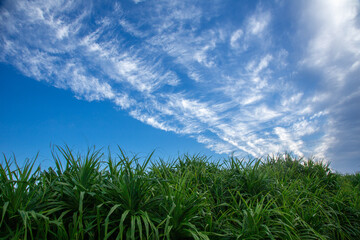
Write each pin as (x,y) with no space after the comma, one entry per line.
(93,197)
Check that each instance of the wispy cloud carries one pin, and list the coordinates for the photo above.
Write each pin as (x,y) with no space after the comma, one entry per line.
(138,1)
(253,30)
(235,38)
(258,23)
(187,68)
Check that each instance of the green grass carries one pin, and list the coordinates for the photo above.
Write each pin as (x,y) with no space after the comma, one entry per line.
(93,197)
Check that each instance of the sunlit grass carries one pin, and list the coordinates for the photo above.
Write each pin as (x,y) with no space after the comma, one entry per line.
(93,197)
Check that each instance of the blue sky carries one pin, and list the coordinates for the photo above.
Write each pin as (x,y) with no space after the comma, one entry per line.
(217,77)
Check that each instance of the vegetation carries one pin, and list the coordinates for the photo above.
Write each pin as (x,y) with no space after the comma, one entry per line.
(93,197)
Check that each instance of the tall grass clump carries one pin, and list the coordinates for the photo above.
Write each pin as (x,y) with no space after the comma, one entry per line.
(93,196)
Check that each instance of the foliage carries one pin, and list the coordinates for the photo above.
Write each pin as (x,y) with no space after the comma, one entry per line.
(93,197)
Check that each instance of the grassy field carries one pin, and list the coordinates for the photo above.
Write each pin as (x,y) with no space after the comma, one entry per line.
(120,197)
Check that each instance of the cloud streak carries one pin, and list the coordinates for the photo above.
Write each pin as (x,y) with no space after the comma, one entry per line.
(186,68)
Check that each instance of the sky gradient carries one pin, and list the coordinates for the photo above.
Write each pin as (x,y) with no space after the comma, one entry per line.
(243,77)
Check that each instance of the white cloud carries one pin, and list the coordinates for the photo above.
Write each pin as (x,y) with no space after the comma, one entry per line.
(124,101)
(62,32)
(303,128)
(258,23)
(195,76)
(251,99)
(216,145)
(263,64)
(289,101)
(138,1)
(130,28)
(235,37)
(89,87)
(202,57)
(151,120)
(264,113)
(252,32)
(287,140)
